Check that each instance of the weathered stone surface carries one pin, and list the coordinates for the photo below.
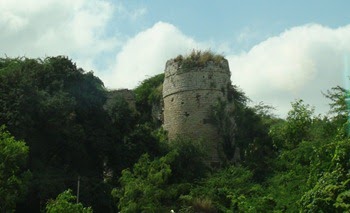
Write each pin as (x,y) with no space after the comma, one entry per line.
(188,97)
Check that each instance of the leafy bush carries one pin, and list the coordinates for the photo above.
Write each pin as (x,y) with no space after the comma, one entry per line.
(231,189)
(192,151)
(155,185)
(244,132)
(143,189)
(66,203)
(149,95)
(14,179)
(331,191)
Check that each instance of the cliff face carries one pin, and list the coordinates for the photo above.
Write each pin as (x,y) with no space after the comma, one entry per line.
(188,94)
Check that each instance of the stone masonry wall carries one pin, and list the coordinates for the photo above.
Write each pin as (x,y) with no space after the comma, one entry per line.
(188,97)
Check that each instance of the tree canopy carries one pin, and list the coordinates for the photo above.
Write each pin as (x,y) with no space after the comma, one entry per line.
(14,177)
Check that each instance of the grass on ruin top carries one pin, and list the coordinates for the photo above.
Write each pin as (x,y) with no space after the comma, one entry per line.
(199,59)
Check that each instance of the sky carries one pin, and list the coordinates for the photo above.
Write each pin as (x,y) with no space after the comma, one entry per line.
(278,51)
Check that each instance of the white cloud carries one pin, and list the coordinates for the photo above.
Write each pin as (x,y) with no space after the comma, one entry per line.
(299,63)
(132,14)
(38,28)
(145,54)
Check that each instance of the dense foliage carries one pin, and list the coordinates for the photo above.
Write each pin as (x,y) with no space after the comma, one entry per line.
(14,178)
(148,98)
(57,109)
(66,202)
(61,124)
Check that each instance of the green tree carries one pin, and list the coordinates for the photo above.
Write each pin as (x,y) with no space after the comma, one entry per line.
(188,151)
(329,176)
(155,185)
(331,191)
(57,108)
(244,132)
(339,100)
(14,178)
(143,189)
(295,146)
(287,135)
(148,97)
(66,203)
(340,109)
(231,189)
(302,176)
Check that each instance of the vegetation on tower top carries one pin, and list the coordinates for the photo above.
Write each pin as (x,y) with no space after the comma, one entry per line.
(199,58)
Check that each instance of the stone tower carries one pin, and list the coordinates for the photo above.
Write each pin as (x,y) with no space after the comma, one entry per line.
(189,92)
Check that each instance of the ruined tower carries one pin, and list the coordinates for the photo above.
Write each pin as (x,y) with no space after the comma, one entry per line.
(191,87)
